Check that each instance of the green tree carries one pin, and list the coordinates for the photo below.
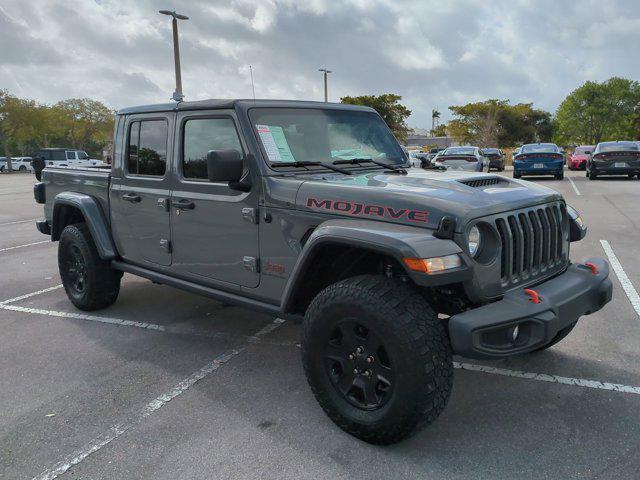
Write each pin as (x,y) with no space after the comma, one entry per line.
(83,120)
(439,131)
(596,112)
(477,123)
(435,115)
(497,123)
(387,105)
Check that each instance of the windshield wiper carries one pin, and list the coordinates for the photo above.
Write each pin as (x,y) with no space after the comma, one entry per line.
(310,164)
(357,161)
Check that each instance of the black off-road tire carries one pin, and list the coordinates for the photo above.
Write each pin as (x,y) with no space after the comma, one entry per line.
(516,175)
(414,345)
(592,175)
(560,176)
(561,335)
(90,282)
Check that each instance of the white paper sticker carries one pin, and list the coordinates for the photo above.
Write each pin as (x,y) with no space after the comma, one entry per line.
(275,143)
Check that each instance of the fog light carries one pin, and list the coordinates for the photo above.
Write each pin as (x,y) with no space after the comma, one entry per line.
(515,332)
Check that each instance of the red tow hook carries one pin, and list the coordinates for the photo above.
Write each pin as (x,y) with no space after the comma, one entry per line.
(534,297)
(592,267)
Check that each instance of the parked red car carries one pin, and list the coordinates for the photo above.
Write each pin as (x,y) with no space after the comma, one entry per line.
(578,161)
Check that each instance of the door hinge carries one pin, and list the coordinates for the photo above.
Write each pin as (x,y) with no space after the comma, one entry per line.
(165,244)
(250,214)
(251,264)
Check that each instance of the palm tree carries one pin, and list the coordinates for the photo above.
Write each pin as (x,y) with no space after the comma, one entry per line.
(435,114)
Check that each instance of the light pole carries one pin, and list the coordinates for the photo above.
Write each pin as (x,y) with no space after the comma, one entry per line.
(326,75)
(177,95)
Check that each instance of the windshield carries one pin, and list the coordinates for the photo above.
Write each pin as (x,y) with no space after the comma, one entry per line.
(617,147)
(540,148)
(491,151)
(583,150)
(314,135)
(82,155)
(459,151)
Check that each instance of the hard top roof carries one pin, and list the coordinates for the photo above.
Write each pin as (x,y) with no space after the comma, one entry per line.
(243,103)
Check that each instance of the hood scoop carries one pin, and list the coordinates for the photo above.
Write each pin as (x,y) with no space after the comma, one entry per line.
(484,182)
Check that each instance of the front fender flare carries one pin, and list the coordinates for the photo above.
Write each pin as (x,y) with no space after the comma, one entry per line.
(393,240)
(94,217)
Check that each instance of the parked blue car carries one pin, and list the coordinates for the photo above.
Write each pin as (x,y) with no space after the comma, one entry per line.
(539,159)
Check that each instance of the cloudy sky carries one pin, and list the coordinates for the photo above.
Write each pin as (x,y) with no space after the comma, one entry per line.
(433,53)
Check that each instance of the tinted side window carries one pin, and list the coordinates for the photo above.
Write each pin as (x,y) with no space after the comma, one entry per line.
(58,155)
(202,135)
(132,149)
(147,152)
(71,155)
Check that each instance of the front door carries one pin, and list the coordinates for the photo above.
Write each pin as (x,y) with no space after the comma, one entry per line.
(140,191)
(214,236)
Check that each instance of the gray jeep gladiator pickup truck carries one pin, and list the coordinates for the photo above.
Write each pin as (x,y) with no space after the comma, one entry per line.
(308,211)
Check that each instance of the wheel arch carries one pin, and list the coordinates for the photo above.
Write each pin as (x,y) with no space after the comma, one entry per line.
(338,249)
(71,207)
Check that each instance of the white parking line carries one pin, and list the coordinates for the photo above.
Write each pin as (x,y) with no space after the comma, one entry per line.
(627,286)
(575,189)
(5,305)
(543,377)
(25,245)
(32,294)
(114,432)
(18,221)
(82,316)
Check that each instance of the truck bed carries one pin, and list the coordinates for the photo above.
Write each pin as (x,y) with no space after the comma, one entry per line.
(93,181)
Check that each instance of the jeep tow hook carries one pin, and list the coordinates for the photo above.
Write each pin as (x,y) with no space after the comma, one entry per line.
(533,295)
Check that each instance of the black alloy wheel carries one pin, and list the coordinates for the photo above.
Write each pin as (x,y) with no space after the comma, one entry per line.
(358,365)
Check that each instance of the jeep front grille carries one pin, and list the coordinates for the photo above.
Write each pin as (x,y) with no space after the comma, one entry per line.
(533,241)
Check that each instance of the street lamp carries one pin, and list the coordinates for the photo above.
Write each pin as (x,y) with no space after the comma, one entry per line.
(326,73)
(177,95)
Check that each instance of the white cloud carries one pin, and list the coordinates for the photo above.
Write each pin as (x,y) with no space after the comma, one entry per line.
(433,53)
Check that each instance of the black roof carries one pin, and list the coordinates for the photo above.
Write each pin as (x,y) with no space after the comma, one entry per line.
(242,103)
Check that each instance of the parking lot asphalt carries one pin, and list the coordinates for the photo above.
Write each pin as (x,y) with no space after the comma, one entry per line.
(165,384)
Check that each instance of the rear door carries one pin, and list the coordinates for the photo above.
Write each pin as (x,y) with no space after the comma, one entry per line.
(215,236)
(140,190)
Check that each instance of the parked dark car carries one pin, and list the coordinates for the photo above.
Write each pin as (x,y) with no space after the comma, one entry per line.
(539,159)
(496,158)
(462,158)
(580,156)
(614,158)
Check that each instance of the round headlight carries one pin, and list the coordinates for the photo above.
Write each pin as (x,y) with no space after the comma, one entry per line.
(474,241)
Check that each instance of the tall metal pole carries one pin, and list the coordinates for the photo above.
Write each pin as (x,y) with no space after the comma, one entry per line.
(326,75)
(178,96)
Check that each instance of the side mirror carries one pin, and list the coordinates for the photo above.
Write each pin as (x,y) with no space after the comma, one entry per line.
(224,166)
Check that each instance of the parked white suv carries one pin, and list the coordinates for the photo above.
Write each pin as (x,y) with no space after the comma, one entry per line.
(20,164)
(67,157)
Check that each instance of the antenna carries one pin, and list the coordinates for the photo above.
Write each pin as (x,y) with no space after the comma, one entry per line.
(252,85)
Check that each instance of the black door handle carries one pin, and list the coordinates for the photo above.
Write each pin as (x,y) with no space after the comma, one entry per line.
(184,205)
(131,197)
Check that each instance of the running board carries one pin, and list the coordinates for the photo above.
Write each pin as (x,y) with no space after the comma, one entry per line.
(219,295)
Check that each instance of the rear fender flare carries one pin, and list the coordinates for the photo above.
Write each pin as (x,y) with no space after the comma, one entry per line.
(93,216)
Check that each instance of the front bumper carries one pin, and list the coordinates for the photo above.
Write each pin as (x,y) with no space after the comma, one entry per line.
(487,331)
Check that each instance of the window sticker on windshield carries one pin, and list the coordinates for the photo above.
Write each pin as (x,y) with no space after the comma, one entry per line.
(275,143)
